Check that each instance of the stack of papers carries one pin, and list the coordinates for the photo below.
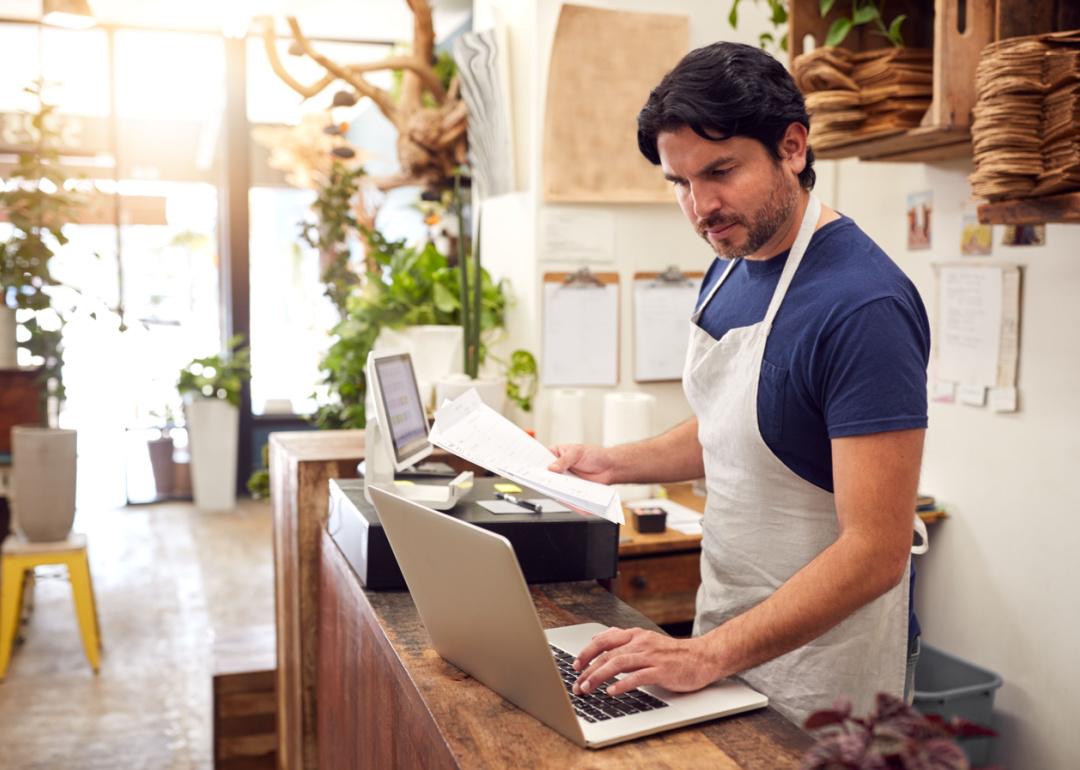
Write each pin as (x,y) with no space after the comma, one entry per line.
(472,430)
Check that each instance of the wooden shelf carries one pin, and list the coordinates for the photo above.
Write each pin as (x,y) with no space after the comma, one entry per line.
(930,517)
(945,130)
(1032,211)
(923,144)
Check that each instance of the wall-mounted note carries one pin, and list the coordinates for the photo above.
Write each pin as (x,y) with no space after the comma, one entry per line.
(581,330)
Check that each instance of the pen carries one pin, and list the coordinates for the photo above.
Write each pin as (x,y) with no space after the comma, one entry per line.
(516,501)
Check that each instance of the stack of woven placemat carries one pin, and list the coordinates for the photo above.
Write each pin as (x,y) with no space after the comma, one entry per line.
(855,96)
(1026,130)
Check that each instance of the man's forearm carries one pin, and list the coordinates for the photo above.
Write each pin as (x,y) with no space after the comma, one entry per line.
(850,573)
(669,457)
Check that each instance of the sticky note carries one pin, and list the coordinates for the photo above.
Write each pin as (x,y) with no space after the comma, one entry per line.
(1003,399)
(403,483)
(507,488)
(972,395)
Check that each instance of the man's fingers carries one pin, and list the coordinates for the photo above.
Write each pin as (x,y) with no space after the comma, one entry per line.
(602,642)
(633,681)
(560,465)
(565,457)
(607,669)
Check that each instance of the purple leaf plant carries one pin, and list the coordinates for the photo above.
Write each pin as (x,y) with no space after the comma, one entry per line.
(893,737)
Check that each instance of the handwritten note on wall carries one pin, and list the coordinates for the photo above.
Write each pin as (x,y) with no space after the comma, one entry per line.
(969,331)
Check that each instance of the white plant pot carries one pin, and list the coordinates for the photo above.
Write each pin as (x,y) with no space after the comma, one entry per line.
(8,355)
(436,350)
(492,390)
(213,430)
(43,482)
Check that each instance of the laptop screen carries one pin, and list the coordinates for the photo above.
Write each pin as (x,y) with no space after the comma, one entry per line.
(400,395)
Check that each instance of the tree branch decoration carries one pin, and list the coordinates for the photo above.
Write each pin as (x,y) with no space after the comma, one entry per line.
(430,119)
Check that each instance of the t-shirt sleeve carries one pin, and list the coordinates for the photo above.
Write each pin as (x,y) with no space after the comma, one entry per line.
(872,369)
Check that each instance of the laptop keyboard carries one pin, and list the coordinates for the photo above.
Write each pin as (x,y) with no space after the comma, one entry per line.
(598,706)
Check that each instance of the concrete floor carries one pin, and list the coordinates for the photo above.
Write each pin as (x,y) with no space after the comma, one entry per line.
(168,579)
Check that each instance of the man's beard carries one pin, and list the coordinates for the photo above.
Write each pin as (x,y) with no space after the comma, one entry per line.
(763,225)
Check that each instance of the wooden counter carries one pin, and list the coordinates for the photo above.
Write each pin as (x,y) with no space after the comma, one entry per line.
(387,700)
(658,574)
(301,466)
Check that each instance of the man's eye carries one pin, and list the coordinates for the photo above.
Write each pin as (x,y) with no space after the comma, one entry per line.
(718,172)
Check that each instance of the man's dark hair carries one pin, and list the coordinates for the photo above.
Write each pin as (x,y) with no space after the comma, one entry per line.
(725,90)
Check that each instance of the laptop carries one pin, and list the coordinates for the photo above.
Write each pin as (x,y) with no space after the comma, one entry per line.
(473,600)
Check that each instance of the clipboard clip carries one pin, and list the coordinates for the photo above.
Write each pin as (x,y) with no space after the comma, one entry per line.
(582,278)
(671,276)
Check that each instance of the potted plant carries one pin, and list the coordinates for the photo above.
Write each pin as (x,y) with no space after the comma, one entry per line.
(893,737)
(515,378)
(210,387)
(37,204)
(413,286)
(161,451)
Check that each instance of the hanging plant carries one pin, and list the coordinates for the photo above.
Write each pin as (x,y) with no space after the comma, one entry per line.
(778,18)
(862,12)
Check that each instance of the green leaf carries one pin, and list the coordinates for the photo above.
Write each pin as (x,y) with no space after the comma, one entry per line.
(826,6)
(783,42)
(765,39)
(779,12)
(733,14)
(838,31)
(865,14)
(894,31)
(445,300)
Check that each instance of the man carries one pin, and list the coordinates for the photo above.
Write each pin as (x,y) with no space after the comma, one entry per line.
(806,373)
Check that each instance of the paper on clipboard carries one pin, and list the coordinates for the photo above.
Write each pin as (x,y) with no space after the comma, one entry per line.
(581,334)
(978,325)
(662,327)
(470,429)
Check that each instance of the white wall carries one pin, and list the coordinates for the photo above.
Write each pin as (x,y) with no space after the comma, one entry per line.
(999,586)
(647,236)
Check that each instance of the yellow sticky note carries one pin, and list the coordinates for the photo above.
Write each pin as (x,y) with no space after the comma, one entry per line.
(507,488)
(403,483)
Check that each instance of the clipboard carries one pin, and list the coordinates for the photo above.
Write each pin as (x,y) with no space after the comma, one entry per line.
(580,328)
(663,304)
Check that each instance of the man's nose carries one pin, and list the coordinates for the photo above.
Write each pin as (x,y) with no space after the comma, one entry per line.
(705,202)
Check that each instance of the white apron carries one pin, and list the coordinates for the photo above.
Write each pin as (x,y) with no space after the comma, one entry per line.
(763,523)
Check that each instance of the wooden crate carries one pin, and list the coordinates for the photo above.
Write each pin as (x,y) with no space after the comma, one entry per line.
(245,701)
(945,129)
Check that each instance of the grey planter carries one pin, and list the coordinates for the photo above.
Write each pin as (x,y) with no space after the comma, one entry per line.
(43,482)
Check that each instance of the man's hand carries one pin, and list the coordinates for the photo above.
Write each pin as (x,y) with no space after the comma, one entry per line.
(588,462)
(680,665)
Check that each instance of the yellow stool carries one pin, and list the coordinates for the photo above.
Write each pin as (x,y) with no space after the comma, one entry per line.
(19,557)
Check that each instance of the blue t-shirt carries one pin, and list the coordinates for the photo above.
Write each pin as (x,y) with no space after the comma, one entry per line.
(848,351)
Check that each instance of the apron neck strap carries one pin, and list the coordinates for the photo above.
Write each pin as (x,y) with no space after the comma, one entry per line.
(798,249)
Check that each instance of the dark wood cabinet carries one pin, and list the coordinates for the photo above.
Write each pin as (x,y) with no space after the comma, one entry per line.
(22,401)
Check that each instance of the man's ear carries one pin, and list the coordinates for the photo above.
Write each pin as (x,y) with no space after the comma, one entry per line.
(793,146)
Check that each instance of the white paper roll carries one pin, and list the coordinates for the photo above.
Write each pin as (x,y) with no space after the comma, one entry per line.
(567,416)
(627,416)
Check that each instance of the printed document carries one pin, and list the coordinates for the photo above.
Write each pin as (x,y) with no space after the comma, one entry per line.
(470,429)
